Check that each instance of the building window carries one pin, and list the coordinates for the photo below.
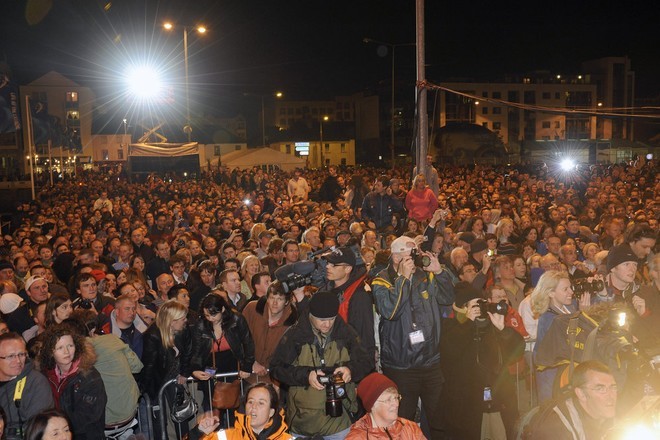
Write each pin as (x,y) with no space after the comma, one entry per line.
(557,95)
(216,150)
(545,124)
(120,154)
(497,125)
(343,161)
(327,148)
(105,154)
(546,95)
(71,96)
(497,95)
(288,148)
(484,110)
(557,124)
(545,138)
(237,148)
(484,94)
(343,148)
(484,124)
(497,110)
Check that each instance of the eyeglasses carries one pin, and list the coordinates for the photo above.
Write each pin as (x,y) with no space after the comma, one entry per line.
(12,357)
(603,389)
(395,398)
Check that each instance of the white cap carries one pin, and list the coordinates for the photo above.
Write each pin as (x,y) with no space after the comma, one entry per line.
(9,302)
(402,244)
(31,281)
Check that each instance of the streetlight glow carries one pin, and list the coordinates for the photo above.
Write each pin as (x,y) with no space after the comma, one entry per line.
(168,26)
(144,82)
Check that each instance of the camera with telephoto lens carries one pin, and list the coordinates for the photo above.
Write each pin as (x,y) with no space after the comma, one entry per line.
(420,259)
(581,286)
(335,392)
(295,281)
(501,308)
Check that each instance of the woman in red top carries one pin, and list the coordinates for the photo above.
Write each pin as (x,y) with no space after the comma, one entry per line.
(421,203)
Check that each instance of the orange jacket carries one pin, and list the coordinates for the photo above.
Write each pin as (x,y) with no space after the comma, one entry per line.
(403,429)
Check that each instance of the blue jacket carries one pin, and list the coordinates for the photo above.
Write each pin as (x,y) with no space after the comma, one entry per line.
(397,300)
(380,208)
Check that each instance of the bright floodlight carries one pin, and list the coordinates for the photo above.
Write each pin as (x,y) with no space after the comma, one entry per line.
(567,165)
(144,82)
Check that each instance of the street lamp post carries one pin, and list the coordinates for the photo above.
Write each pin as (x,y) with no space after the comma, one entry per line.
(200,29)
(263,116)
(392,47)
(323,118)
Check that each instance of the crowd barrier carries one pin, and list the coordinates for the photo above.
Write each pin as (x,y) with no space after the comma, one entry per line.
(161,411)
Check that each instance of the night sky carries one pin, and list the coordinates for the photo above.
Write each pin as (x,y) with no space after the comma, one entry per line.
(314,49)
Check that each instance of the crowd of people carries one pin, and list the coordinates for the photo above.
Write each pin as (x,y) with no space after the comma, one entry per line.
(346,295)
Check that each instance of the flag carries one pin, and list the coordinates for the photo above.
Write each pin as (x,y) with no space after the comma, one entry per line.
(10,120)
(40,122)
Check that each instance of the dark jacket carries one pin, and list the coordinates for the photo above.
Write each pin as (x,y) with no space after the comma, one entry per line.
(396,297)
(36,398)
(380,209)
(238,336)
(476,355)
(330,189)
(160,364)
(82,397)
(360,307)
(297,354)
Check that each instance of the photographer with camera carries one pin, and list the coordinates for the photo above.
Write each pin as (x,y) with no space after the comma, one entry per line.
(409,294)
(320,359)
(477,347)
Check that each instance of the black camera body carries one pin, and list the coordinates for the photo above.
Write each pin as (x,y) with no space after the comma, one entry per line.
(335,392)
(581,286)
(86,304)
(420,259)
(500,308)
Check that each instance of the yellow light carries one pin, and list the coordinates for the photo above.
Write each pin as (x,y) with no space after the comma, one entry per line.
(639,432)
(279,94)
(169,26)
(600,104)
(621,321)
(579,76)
(201,29)
(476,102)
(325,118)
(558,76)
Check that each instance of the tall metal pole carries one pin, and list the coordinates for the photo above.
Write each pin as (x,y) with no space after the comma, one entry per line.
(263,123)
(393,46)
(185,62)
(50,160)
(422,146)
(321,143)
(30,143)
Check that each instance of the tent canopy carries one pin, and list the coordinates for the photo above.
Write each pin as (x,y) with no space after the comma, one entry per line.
(163,158)
(260,157)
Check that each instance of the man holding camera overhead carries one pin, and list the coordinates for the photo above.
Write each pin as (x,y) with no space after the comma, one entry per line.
(477,348)
(320,359)
(408,295)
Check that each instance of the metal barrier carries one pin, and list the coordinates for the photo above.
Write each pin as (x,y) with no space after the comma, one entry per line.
(160,410)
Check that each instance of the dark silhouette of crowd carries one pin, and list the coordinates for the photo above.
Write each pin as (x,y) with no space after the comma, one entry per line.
(305,279)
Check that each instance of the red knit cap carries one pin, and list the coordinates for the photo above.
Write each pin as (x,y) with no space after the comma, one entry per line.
(372,387)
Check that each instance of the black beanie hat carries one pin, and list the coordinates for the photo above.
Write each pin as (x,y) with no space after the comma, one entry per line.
(620,254)
(465,292)
(324,305)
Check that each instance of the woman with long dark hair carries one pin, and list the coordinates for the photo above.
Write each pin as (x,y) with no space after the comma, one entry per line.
(222,341)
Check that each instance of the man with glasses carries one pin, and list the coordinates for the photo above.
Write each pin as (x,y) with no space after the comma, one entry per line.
(355,304)
(24,391)
(587,413)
